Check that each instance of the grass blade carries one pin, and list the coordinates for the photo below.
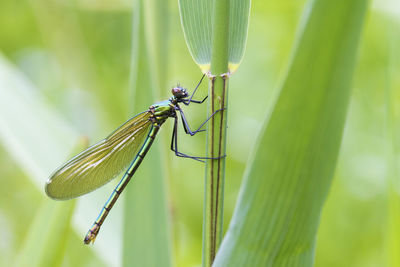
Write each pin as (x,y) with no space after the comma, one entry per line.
(47,239)
(146,229)
(239,15)
(38,140)
(277,215)
(23,111)
(197,24)
(393,141)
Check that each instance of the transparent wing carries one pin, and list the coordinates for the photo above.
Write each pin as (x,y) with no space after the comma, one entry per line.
(101,162)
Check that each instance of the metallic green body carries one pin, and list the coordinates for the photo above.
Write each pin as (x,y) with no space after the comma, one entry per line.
(103,161)
(160,113)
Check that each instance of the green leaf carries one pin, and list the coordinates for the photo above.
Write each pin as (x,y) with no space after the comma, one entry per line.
(24,111)
(147,241)
(47,238)
(38,139)
(393,138)
(196,19)
(286,183)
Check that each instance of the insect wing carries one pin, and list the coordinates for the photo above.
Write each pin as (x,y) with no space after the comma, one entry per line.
(101,162)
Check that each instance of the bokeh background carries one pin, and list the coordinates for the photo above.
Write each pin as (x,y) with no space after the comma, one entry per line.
(72,60)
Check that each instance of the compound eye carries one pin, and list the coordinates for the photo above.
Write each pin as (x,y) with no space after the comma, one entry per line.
(176,91)
(179,92)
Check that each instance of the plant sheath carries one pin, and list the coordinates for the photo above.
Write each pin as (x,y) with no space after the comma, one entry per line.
(216,133)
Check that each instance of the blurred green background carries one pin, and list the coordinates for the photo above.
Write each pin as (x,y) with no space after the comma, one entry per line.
(70,60)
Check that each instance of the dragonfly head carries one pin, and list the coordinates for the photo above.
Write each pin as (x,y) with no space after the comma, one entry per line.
(179,92)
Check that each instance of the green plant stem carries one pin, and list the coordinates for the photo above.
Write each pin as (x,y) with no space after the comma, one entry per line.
(216,134)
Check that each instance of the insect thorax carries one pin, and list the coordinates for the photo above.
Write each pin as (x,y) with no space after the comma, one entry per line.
(161,111)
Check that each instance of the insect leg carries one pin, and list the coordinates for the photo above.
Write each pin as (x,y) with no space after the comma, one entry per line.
(187,127)
(174,145)
(194,91)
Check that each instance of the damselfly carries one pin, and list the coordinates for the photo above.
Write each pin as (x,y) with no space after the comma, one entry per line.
(103,161)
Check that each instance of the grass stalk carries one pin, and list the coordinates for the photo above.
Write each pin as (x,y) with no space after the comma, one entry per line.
(216,134)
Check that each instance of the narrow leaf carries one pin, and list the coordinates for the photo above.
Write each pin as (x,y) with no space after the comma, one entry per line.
(146,230)
(24,111)
(276,219)
(38,139)
(196,19)
(393,139)
(47,238)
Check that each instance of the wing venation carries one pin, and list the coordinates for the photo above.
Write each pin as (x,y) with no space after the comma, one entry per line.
(101,162)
